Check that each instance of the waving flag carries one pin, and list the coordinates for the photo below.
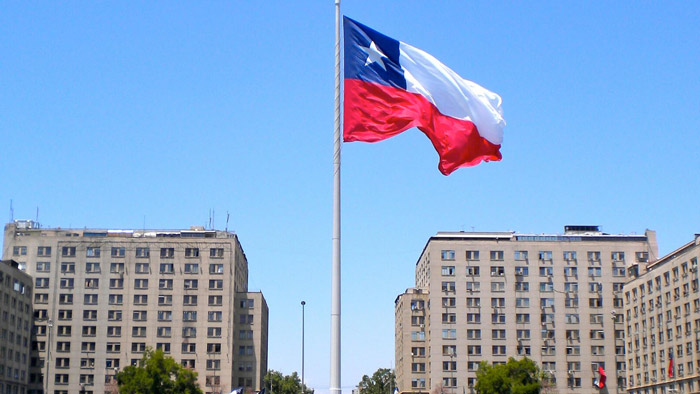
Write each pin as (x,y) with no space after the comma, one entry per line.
(391,86)
(670,365)
(603,377)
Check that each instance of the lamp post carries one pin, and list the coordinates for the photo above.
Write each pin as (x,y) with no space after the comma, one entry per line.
(48,356)
(303,303)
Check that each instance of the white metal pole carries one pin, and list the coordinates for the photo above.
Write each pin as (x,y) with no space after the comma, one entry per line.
(335,286)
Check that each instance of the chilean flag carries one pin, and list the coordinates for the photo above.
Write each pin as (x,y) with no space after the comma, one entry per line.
(670,365)
(391,86)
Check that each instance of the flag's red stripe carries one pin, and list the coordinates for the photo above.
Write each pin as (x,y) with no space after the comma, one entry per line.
(374,112)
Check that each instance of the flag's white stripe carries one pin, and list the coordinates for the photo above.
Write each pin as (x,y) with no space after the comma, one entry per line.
(451,94)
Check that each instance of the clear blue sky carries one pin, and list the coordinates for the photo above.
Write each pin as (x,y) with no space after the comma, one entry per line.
(116,113)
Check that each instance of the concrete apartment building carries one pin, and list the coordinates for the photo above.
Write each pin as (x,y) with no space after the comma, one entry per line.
(15,327)
(101,297)
(555,298)
(662,310)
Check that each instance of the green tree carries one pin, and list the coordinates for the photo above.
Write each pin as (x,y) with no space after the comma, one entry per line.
(278,383)
(381,382)
(157,374)
(515,376)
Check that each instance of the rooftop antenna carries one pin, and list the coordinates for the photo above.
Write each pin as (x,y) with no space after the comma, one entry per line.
(209,218)
(213,218)
(37,216)
(12,212)
(227,216)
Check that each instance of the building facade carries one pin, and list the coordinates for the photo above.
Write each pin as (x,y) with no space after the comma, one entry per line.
(15,327)
(101,297)
(662,310)
(554,298)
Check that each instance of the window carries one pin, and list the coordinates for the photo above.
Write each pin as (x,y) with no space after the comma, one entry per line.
(116,299)
(594,271)
(142,252)
(191,284)
(90,314)
(472,271)
(216,253)
(473,302)
(449,318)
(522,286)
(87,347)
(191,268)
(138,331)
(165,315)
(165,347)
(498,334)
(191,252)
(116,283)
(64,331)
(498,287)
(167,268)
(617,256)
(214,365)
(546,287)
(92,252)
(90,331)
(570,256)
(114,315)
(43,251)
(498,270)
(92,283)
(217,316)
(189,332)
(247,303)
(522,271)
(474,350)
(65,314)
(165,284)
(113,347)
(448,270)
(520,255)
(43,266)
(496,255)
(140,299)
(449,302)
(216,284)
(216,300)
(138,347)
(546,272)
(116,268)
(447,255)
(473,334)
(544,255)
(41,298)
(418,335)
(41,283)
(215,332)
(139,315)
(473,286)
(473,318)
(19,251)
(68,251)
(449,333)
(522,302)
(213,348)
(189,300)
(142,268)
(618,271)
(140,284)
(593,256)
(189,348)
(68,268)
(164,300)
(498,350)
(189,316)
(90,299)
(164,332)
(167,253)
(642,257)
(472,255)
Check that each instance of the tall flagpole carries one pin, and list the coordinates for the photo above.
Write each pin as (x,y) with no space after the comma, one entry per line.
(335,286)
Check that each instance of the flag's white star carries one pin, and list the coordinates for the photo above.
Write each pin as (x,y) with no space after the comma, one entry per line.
(374,54)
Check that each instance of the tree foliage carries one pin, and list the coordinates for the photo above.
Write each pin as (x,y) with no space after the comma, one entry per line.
(516,377)
(381,382)
(278,383)
(157,374)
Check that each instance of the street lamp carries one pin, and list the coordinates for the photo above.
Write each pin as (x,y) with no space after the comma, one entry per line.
(48,356)
(303,303)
